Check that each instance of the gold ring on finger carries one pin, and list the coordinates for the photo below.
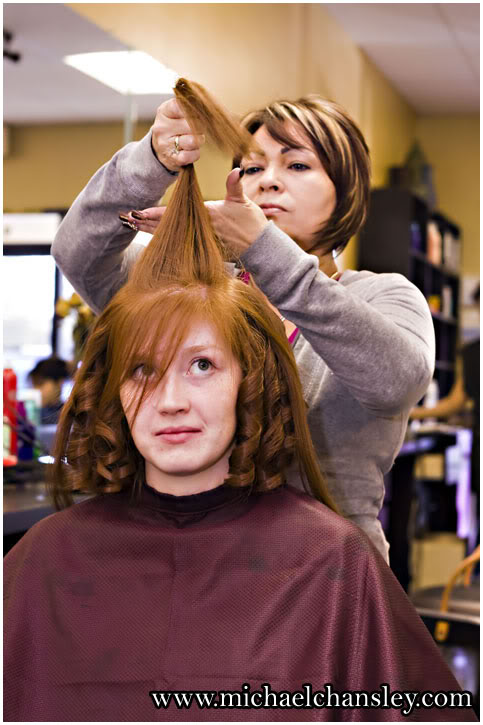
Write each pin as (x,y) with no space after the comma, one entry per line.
(176,145)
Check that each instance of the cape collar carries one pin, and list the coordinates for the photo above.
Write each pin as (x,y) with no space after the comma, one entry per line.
(196,503)
(219,504)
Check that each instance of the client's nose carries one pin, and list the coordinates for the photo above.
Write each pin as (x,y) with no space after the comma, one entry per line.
(170,396)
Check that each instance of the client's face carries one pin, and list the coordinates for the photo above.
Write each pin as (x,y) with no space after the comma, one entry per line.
(185,426)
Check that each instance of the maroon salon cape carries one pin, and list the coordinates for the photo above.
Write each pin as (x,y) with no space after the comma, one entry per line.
(113,598)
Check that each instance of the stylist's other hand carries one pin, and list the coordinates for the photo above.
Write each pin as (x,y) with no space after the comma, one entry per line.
(418,413)
(145,220)
(236,220)
(170,123)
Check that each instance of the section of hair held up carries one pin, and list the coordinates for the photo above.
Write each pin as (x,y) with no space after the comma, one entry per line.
(185,247)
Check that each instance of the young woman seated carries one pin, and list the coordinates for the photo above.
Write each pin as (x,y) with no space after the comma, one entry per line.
(196,566)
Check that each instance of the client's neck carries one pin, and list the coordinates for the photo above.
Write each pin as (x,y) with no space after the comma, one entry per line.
(187,483)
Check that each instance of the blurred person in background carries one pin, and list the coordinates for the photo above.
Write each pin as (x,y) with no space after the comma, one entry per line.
(363,342)
(48,376)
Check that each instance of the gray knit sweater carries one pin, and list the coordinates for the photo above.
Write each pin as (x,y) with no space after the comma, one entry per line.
(365,350)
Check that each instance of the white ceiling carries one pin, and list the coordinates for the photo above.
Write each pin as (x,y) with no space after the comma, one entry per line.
(41,88)
(428,51)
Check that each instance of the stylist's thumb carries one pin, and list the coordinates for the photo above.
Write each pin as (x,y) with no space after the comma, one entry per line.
(234,188)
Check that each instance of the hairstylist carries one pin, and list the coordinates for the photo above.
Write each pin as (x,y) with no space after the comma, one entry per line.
(364,342)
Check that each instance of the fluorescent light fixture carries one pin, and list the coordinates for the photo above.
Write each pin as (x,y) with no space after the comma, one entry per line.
(127,71)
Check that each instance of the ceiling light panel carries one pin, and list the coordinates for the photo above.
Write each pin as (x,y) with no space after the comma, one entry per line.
(126,71)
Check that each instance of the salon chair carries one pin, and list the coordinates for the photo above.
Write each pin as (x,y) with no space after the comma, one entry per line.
(452,615)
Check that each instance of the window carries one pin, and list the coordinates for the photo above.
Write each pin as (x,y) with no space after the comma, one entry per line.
(31,286)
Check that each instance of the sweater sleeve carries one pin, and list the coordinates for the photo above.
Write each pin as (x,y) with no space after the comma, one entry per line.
(91,247)
(381,348)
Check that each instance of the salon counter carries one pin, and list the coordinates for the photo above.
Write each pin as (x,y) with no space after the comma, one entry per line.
(429,438)
(25,500)
(401,489)
(23,505)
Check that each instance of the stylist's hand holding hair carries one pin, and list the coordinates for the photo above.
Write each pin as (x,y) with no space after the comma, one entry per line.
(236,220)
(170,128)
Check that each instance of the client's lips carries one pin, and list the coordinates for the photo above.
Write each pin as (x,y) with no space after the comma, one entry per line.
(177,435)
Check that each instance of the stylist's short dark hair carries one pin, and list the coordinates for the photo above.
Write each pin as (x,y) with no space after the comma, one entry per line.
(342,150)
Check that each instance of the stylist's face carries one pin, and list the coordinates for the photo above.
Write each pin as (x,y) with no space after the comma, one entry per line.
(186,424)
(290,185)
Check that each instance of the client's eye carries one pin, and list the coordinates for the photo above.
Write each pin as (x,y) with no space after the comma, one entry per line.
(142,371)
(200,366)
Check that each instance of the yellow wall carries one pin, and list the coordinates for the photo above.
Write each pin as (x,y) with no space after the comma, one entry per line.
(337,69)
(246,54)
(48,165)
(388,123)
(452,146)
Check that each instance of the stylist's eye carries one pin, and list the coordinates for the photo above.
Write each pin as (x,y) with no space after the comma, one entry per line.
(299,167)
(201,366)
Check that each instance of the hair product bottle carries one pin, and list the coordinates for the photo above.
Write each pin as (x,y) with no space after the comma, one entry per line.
(9,412)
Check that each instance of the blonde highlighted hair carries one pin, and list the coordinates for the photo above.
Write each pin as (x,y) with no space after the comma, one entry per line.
(179,280)
(342,150)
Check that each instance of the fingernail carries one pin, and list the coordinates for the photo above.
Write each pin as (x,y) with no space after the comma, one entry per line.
(137,214)
(130,225)
(242,171)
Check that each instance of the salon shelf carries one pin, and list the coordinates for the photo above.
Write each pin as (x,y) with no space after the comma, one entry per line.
(440,365)
(439,267)
(444,318)
(395,239)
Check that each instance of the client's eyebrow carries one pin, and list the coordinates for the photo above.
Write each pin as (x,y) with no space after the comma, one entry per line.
(191,350)
(200,348)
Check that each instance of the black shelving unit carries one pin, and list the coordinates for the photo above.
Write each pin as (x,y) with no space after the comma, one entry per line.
(395,239)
